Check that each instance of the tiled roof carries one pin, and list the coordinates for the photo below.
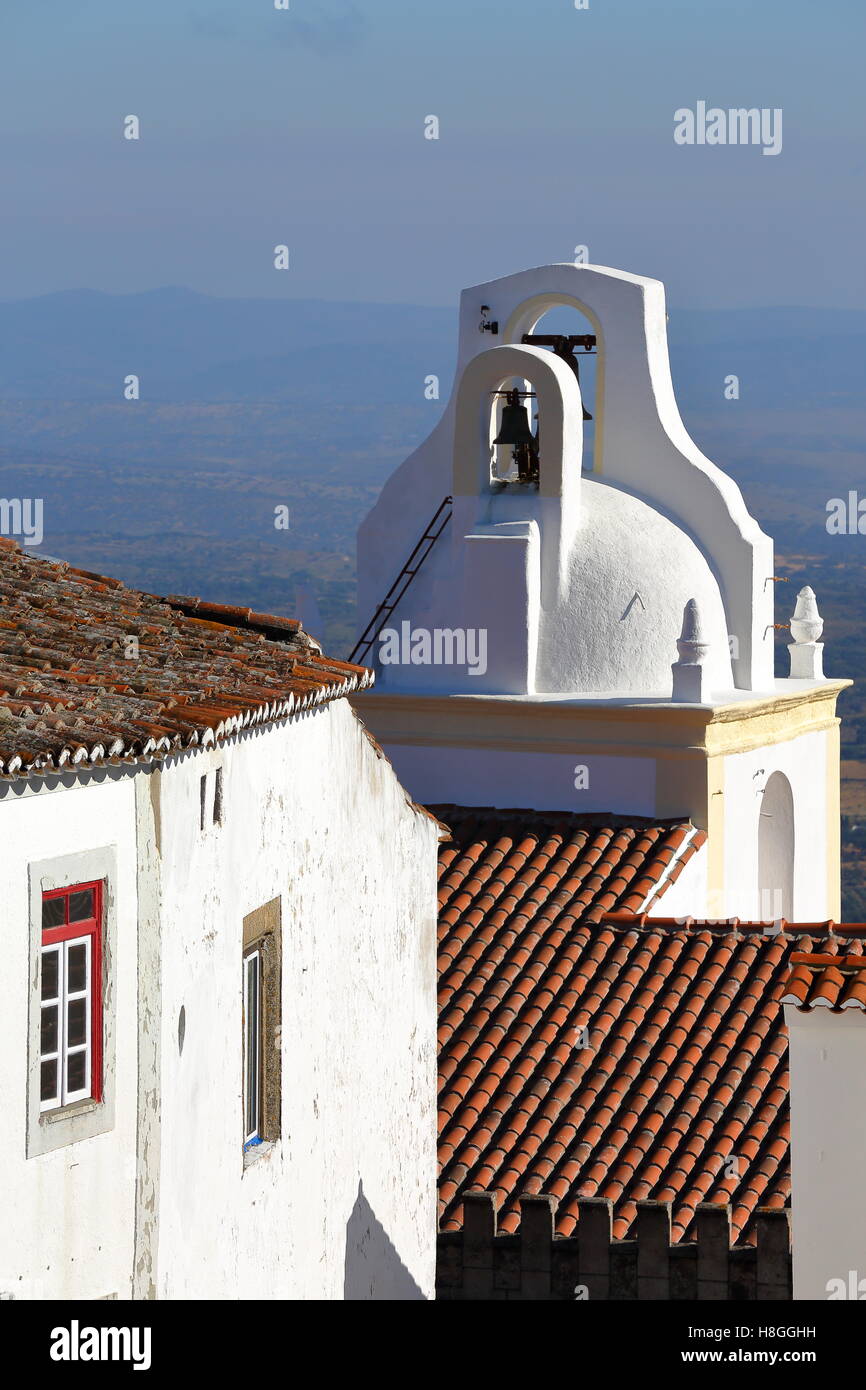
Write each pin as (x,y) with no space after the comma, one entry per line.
(630,1059)
(823,982)
(584,865)
(73,690)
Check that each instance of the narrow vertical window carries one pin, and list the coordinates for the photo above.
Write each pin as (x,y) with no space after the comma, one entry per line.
(202,791)
(252,1046)
(262,1031)
(70,1057)
(218,797)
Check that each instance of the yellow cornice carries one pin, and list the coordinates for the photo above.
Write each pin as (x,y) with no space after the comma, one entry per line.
(633,729)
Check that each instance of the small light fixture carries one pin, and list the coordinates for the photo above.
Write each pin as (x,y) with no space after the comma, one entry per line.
(487,325)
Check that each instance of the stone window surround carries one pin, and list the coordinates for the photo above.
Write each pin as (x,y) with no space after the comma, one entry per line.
(262,931)
(54,1129)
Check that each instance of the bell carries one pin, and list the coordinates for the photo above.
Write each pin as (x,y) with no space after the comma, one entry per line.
(586,414)
(514,428)
(568,356)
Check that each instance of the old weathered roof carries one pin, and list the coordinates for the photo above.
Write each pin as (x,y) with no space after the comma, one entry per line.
(93,672)
(630,1058)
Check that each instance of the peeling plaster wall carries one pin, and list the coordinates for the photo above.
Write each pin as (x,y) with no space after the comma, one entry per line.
(148,787)
(161,1205)
(67,1215)
(344,1203)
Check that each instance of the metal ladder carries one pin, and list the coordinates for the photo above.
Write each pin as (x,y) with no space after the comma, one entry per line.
(432,532)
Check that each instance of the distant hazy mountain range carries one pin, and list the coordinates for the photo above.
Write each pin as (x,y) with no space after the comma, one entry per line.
(79,345)
(249,405)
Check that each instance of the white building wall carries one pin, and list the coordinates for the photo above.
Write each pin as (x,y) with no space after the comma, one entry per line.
(344,1204)
(641,448)
(687,895)
(541,781)
(828,1150)
(68,1215)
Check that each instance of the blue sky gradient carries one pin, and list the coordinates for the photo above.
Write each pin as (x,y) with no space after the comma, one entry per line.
(306,127)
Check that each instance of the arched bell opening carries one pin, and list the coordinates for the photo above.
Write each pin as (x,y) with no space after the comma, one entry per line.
(515,453)
(479,416)
(570,335)
(578,342)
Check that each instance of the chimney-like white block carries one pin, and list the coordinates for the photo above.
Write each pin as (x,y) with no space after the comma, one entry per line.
(690,684)
(807,653)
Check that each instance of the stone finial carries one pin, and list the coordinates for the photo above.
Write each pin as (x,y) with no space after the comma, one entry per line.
(689,673)
(807,653)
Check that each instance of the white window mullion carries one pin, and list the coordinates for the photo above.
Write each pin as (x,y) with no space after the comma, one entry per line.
(54,1004)
(72,1052)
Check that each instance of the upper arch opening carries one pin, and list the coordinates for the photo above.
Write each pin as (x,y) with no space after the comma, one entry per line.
(570,326)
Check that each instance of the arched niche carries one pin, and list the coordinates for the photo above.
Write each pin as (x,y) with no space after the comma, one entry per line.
(776,850)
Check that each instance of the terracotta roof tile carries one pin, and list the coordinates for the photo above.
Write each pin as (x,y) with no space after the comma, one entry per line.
(70,695)
(683,1063)
(826,981)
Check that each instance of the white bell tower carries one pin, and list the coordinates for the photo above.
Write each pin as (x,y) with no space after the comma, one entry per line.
(598,640)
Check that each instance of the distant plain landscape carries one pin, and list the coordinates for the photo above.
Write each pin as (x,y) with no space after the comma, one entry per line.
(247,405)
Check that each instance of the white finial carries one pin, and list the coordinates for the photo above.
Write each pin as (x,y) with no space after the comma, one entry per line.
(807,653)
(689,673)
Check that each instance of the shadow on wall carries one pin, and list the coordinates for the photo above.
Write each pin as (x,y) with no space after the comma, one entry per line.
(374,1269)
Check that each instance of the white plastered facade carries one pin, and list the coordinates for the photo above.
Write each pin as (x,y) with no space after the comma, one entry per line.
(163,1203)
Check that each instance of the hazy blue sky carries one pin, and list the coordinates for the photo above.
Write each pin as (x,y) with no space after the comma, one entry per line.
(306,127)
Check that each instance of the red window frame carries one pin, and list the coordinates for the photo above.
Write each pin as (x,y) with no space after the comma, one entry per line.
(92,927)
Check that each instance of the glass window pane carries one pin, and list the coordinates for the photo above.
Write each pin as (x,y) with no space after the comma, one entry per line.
(252,1044)
(81,905)
(48,1034)
(48,1087)
(76,1022)
(53,912)
(76,968)
(76,1071)
(50,961)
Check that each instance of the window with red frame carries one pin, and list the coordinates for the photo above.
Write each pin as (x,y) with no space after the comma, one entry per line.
(70,1054)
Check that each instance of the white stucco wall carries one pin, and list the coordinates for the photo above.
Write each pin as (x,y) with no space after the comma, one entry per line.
(67,1228)
(642,450)
(541,781)
(612,623)
(161,1205)
(344,1204)
(687,895)
(828,1148)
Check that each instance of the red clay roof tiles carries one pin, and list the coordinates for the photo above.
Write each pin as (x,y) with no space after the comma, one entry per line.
(70,692)
(825,981)
(626,1058)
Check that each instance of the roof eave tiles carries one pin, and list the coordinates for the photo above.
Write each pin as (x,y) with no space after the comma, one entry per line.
(92,672)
